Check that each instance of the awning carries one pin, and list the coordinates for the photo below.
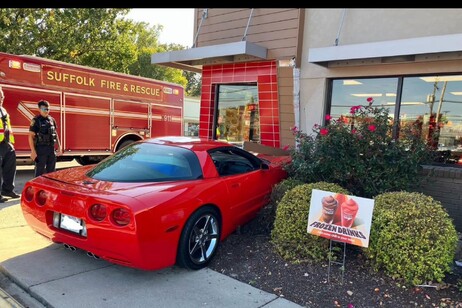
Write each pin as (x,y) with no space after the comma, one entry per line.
(403,50)
(194,58)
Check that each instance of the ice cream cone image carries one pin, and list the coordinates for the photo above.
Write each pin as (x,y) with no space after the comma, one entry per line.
(329,206)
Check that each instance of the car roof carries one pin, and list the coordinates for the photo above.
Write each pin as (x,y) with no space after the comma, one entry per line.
(192,143)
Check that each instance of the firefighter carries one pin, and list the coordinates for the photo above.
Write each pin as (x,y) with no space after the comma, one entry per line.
(7,154)
(43,138)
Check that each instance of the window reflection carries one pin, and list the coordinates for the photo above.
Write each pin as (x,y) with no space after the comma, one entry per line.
(438,109)
(431,105)
(347,93)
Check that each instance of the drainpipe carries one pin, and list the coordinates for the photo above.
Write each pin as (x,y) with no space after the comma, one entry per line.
(205,14)
(337,39)
(296,75)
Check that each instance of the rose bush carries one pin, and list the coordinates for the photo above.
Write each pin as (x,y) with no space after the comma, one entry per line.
(359,153)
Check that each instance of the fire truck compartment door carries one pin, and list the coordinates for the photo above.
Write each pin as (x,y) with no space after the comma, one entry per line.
(88,123)
(166,120)
(131,116)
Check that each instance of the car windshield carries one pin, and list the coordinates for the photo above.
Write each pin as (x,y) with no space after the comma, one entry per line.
(147,162)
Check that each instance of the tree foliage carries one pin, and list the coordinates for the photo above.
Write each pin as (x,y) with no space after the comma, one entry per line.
(193,88)
(96,37)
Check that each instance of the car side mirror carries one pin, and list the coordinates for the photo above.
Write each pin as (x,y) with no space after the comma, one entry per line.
(264,166)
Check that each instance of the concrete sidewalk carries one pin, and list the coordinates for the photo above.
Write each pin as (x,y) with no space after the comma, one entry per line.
(56,277)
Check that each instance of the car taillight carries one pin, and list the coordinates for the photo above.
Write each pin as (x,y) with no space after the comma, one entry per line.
(29,194)
(41,197)
(98,212)
(121,217)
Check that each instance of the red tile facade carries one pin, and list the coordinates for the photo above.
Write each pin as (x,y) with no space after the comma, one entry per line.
(264,74)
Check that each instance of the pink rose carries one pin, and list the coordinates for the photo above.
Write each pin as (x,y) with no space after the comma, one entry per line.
(323,131)
(355,108)
(328,117)
(372,128)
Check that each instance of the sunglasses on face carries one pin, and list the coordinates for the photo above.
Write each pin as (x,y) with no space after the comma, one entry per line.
(45,109)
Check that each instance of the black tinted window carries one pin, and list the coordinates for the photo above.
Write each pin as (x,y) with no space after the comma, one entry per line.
(229,161)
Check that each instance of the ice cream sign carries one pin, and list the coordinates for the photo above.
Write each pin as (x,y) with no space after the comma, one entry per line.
(340,217)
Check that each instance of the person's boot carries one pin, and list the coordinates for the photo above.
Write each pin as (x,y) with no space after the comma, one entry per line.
(11,194)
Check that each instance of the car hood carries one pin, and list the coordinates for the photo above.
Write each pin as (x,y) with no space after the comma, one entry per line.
(77,180)
(276,160)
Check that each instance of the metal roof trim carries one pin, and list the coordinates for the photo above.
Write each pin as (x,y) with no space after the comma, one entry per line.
(189,58)
(392,48)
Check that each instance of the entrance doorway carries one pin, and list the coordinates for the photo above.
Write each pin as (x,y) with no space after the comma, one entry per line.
(237,116)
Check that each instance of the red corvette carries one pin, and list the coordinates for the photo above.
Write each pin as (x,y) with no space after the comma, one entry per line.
(155,203)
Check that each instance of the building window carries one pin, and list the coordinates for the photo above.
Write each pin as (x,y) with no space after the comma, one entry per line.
(191,129)
(434,102)
(237,113)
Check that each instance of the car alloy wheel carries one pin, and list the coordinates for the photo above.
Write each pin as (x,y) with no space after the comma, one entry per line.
(200,238)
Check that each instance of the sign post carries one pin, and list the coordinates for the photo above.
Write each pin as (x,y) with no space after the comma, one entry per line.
(340,218)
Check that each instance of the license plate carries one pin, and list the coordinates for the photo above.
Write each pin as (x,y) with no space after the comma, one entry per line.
(71,223)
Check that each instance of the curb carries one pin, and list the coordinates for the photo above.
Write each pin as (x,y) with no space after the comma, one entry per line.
(7,301)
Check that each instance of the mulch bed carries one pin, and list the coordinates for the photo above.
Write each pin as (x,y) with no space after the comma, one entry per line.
(248,256)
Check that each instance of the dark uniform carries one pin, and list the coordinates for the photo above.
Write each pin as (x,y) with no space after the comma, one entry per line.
(45,139)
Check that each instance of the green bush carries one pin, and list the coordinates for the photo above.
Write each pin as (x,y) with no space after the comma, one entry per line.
(280,189)
(289,235)
(265,218)
(267,213)
(359,152)
(412,237)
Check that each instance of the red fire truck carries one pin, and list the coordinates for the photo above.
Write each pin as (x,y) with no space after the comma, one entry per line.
(97,111)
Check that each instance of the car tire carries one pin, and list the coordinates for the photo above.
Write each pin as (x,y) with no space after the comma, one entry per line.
(199,239)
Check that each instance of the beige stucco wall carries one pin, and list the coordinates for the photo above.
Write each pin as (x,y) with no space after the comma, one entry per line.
(374,25)
(364,26)
(378,25)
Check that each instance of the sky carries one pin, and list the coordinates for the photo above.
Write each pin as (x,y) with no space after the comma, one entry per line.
(178,23)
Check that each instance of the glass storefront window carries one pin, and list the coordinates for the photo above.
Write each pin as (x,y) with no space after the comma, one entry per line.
(237,114)
(347,93)
(433,104)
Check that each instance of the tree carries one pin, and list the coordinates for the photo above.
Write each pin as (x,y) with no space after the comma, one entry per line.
(147,44)
(95,37)
(193,88)
(92,37)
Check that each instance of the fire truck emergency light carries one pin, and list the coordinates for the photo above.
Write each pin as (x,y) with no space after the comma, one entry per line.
(14,64)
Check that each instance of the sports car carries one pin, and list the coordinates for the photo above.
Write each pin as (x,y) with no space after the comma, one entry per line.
(154,204)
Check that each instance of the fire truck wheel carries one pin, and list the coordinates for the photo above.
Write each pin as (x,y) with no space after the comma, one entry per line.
(88,160)
(83,160)
(124,144)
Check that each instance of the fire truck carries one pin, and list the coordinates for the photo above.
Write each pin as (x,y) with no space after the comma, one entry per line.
(97,111)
